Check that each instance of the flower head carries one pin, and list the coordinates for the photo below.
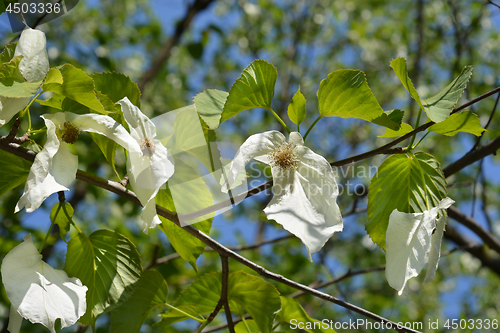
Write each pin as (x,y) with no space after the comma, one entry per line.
(150,167)
(54,168)
(305,190)
(412,240)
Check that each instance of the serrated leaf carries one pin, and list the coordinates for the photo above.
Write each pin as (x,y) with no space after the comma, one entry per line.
(254,89)
(408,183)
(75,84)
(439,106)
(117,86)
(292,313)
(109,265)
(209,105)
(108,149)
(188,246)
(465,121)
(246,292)
(405,129)
(57,216)
(297,108)
(14,173)
(9,72)
(346,94)
(399,67)
(151,291)
(8,53)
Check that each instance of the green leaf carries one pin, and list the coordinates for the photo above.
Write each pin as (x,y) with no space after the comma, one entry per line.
(209,105)
(346,94)
(465,121)
(20,89)
(439,106)
(108,148)
(254,89)
(399,67)
(61,219)
(297,108)
(246,292)
(8,52)
(9,72)
(151,292)
(117,86)
(408,183)
(75,84)
(14,173)
(405,129)
(292,313)
(188,246)
(55,101)
(246,326)
(109,265)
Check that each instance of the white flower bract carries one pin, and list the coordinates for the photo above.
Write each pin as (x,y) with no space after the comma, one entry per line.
(54,168)
(412,240)
(305,190)
(150,167)
(38,292)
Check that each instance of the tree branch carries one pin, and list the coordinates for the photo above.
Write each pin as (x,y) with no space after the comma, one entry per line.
(164,54)
(223,295)
(473,225)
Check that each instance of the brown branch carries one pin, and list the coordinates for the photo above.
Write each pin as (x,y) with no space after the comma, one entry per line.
(164,54)
(13,131)
(224,296)
(494,4)
(474,226)
(482,253)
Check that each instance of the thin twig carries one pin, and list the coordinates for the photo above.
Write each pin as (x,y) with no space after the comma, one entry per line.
(164,53)
(13,131)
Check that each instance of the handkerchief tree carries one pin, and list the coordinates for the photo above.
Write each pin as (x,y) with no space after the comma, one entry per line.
(162,167)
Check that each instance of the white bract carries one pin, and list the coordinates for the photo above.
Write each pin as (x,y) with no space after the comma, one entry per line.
(150,167)
(54,168)
(38,292)
(34,66)
(412,240)
(305,190)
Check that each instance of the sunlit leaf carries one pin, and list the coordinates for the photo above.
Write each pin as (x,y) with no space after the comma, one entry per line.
(151,291)
(292,314)
(399,67)
(117,86)
(254,89)
(108,148)
(73,83)
(406,182)
(297,108)
(209,105)
(345,93)
(465,121)
(108,264)
(405,129)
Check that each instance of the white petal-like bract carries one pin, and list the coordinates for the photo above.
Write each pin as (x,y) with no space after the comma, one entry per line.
(150,167)
(412,240)
(305,190)
(38,292)
(9,107)
(32,46)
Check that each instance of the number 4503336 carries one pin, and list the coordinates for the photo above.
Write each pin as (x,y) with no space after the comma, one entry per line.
(471,324)
(33,8)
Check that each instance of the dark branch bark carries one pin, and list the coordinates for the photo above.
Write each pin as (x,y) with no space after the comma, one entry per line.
(473,225)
